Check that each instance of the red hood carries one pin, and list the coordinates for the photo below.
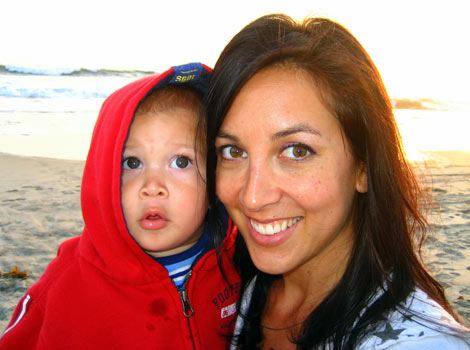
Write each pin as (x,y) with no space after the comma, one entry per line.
(106,242)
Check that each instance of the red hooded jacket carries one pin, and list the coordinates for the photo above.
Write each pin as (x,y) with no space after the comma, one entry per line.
(102,291)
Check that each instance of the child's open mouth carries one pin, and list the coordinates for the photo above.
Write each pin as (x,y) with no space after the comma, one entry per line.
(153,221)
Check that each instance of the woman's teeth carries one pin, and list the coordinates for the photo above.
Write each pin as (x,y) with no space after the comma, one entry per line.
(271,229)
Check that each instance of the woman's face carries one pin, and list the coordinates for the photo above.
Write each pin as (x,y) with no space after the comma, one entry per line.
(286,174)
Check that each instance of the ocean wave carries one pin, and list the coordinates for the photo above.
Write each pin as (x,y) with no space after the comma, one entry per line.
(62,71)
(49,93)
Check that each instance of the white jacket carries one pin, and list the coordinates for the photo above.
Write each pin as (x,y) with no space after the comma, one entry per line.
(430,327)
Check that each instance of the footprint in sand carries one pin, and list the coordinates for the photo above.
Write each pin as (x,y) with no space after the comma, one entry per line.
(465,291)
(68,192)
(464,303)
(444,276)
(13,200)
(3,313)
(37,188)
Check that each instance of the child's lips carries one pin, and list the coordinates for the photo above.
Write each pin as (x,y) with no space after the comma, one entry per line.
(153,221)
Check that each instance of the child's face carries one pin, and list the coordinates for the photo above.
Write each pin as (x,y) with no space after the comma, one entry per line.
(162,193)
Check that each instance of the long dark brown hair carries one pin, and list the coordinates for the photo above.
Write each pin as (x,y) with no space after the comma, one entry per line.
(388,225)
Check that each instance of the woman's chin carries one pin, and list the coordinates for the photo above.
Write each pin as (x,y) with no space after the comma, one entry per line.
(271,263)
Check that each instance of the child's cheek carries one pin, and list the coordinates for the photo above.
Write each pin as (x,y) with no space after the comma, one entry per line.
(127,175)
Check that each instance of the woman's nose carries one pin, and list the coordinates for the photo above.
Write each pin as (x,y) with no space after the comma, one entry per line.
(154,186)
(259,188)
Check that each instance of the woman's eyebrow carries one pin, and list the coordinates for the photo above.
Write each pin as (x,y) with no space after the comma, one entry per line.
(280,134)
(294,130)
(226,135)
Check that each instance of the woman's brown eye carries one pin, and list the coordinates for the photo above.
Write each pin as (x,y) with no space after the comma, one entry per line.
(235,152)
(231,152)
(299,151)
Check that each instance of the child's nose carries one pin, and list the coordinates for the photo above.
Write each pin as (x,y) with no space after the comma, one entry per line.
(154,188)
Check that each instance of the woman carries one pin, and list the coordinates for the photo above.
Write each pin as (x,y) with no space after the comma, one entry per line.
(305,154)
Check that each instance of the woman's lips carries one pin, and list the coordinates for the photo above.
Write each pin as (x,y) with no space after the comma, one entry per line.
(272,233)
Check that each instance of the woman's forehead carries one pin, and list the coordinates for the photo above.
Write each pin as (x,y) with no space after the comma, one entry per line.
(288,97)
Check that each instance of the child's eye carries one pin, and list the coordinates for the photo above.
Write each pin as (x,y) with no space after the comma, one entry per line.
(297,151)
(131,163)
(232,152)
(180,162)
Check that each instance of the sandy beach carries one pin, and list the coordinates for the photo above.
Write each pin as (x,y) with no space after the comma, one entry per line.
(41,208)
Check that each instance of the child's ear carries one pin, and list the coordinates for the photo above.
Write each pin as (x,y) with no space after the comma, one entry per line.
(361,178)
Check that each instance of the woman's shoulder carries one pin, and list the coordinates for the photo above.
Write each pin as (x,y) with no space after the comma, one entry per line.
(420,323)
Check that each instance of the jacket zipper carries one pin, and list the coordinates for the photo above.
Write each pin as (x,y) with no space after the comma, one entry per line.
(187,308)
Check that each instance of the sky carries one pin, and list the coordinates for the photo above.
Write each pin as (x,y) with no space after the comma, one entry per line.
(420,47)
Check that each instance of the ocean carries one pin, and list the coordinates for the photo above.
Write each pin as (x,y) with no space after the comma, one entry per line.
(50,112)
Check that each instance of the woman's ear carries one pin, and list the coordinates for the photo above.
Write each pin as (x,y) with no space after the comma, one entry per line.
(361,178)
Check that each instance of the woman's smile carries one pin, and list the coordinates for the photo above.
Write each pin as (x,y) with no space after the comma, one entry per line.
(273,233)
(273,227)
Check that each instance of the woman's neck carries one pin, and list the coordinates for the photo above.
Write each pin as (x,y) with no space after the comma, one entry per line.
(297,293)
